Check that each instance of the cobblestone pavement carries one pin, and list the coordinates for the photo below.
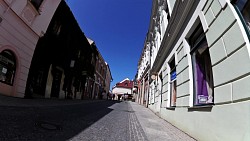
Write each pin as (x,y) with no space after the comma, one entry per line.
(120,124)
(136,132)
(58,120)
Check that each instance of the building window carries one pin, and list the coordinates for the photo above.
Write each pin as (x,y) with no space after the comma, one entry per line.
(36,3)
(173,85)
(7,67)
(167,11)
(243,9)
(57,28)
(202,68)
(101,70)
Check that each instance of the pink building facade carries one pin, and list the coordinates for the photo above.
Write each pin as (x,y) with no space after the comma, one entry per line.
(22,23)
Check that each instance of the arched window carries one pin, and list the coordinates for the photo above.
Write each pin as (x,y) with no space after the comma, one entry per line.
(202,68)
(7,67)
(243,9)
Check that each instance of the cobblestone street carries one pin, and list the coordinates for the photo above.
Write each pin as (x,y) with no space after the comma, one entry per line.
(43,119)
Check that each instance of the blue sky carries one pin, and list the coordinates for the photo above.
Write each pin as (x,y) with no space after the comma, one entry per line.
(118,27)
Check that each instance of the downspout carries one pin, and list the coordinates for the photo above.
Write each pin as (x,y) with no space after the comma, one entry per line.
(148,88)
(149,73)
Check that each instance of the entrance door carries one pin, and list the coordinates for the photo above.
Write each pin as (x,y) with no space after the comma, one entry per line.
(57,76)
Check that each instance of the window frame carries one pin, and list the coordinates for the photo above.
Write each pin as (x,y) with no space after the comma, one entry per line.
(36,4)
(173,82)
(241,16)
(196,41)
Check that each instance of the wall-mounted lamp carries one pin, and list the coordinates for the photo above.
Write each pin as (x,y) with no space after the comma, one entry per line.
(153,76)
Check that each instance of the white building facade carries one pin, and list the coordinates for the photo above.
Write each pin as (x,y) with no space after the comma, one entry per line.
(123,88)
(22,23)
(200,67)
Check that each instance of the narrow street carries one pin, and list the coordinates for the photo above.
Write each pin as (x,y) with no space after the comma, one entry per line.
(46,119)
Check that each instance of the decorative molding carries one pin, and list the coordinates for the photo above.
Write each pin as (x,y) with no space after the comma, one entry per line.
(223,3)
(203,21)
(8,1)
(29,13)
(179,15)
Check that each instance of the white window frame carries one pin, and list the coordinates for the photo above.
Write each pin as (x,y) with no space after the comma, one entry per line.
(171,81)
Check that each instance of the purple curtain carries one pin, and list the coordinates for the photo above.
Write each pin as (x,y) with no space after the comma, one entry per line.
(201,84)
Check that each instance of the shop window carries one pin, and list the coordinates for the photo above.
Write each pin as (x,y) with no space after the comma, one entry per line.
(202,68)
(7,67)
(173,85)
(36,3)
(243,9)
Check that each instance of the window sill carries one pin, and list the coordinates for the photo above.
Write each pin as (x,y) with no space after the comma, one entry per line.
(170,108)
(205,108)
(3,82)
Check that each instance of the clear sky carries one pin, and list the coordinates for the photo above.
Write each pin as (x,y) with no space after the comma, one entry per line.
(118,27)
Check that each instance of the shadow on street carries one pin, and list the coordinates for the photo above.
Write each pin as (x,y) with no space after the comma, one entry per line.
(59,122)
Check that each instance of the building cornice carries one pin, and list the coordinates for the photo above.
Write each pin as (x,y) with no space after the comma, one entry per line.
(173,31)
(151,25)
(145,73)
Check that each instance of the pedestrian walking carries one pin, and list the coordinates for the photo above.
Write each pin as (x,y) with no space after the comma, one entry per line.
(103,94)
(107,95)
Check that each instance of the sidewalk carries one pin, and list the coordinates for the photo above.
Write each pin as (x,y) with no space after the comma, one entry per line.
(157,129)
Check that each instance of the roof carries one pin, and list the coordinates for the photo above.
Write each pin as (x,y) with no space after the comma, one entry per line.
(126,83)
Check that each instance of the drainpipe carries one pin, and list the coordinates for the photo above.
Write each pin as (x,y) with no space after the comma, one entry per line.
(149,73)
(148,88)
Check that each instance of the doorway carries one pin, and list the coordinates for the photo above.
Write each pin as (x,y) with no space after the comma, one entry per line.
(56,84)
